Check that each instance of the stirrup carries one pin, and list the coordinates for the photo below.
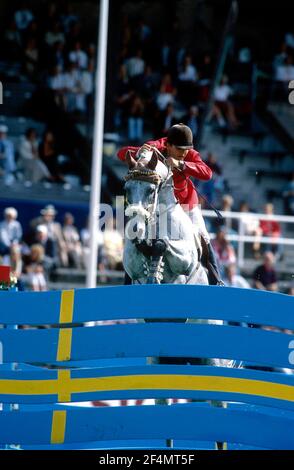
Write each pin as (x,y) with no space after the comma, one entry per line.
(221,283)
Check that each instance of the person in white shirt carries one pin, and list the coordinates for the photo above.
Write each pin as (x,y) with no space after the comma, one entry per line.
(232,279)
(54,35)
(223,107)
(86,82)
(164,98)
(57,83)
(10,230)
(72,86)
(135,65)
(78,56)
(189,73)
(31,164)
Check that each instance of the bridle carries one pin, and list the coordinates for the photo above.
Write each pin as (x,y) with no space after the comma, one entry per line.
(151,176)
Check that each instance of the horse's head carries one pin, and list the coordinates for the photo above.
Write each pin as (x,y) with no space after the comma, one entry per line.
(143,182)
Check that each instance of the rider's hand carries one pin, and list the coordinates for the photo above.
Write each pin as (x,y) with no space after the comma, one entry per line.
(174,164)
(143,149)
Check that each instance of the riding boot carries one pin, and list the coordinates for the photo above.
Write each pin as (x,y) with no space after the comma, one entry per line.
(214,276)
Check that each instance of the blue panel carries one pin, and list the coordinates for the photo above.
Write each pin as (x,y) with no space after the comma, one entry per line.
(29,345)
(152,339)
(177,422)
(266,377)
(25,308)
(164,301)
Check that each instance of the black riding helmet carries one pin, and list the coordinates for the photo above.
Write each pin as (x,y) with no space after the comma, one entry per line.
(180,136)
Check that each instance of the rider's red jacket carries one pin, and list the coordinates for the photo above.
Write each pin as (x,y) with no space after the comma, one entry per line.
(185,191)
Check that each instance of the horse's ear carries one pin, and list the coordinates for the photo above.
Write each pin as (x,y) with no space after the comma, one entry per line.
(153,162)
(130,160)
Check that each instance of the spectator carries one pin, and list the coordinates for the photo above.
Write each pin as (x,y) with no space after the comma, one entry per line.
(10,230)
(33,167)
(49,155)
(227,206)
(136,65)
(86,83)
(57,83)
(71,80)
(135,119)
(265,276)
(232,279)
(50,260)
(7,162)
(288,196)
(251,227)
(34,269)
(205,74)
(224,250)
(47,218)
(290,291)
(54,35)
(223,107)
(14,260)
(72,241)
(270,228)
(189,72)
(23,17)
(78,56)
(164,99)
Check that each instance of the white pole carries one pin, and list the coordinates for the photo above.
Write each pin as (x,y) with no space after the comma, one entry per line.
(97,142)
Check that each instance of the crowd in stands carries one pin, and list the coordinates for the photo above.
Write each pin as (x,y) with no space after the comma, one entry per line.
(34,159)
(53,47)
(160,82)
(47,245)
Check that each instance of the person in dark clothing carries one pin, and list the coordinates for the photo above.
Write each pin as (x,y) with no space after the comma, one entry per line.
(265,276)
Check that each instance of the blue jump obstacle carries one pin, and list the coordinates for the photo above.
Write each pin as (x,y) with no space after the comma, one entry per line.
(70,362)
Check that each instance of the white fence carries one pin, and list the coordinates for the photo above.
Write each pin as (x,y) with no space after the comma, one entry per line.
(243,218)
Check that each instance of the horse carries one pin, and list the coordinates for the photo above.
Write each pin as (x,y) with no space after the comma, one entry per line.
(162,245)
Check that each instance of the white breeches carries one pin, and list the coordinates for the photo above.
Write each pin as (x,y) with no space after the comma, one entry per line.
(198,221)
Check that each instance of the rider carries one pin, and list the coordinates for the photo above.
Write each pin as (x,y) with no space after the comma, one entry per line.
(177,148)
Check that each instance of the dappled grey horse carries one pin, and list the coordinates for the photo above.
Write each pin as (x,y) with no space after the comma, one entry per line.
(161,243)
